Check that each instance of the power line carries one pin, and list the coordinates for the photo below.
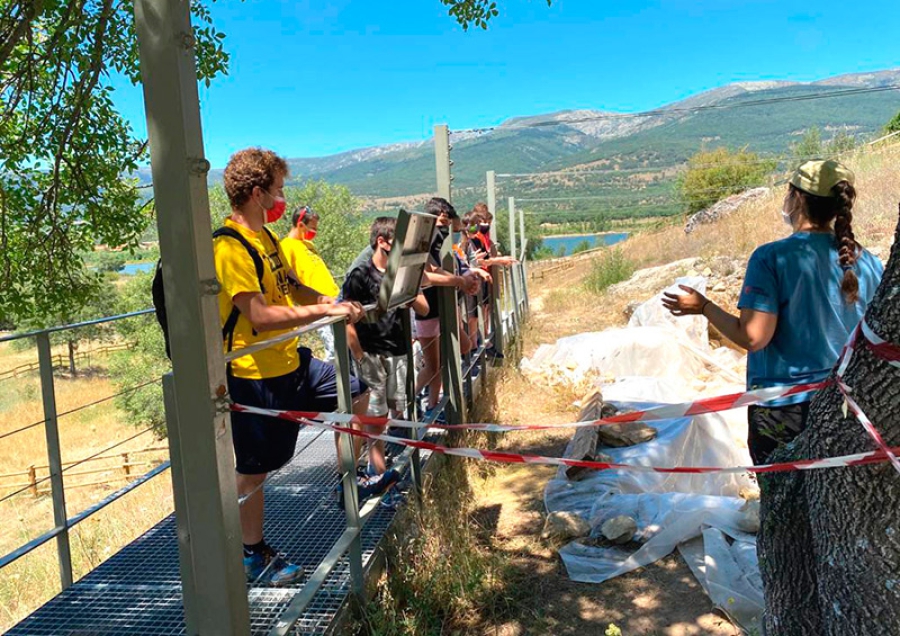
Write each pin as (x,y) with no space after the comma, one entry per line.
(662,112)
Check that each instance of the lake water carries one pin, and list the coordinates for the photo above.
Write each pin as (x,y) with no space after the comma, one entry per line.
(569,242)
(134,268)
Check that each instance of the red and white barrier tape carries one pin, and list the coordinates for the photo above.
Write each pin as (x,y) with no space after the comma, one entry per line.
(880,347)
(859,459)
(662,412)
(884,350)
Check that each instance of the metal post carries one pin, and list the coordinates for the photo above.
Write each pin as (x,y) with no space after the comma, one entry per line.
(496,309)
(492,201)
(514,285)
(449,344)
(522,273)
(416,462)
(206,490)
(442,160)
(348,460)
(54,459)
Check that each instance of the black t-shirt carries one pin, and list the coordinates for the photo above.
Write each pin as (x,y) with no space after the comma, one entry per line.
(384,336)
(431,293)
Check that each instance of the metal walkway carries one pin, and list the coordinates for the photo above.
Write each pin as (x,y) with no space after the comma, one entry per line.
(138,590)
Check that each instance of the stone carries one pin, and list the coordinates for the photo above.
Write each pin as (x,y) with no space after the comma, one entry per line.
(625,434)
(749,519)
(563,526)
(719,287)
(619,529)
(707,272)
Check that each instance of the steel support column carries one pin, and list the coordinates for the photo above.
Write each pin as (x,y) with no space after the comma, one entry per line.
(206,488)
(442,161)
(54,459)
(491,179)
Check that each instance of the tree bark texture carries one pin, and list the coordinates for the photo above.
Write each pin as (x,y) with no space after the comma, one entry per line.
(829,543)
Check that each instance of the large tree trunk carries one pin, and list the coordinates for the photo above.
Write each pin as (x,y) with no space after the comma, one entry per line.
(829,544)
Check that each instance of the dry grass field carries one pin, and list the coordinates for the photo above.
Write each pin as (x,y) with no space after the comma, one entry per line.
(84,431)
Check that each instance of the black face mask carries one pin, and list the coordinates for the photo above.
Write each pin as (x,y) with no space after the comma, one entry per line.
(443,230)
(484,228)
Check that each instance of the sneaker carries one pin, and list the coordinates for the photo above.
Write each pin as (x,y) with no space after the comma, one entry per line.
(392,500)
(270,568)
(492,353)
(378,484)
(440,419)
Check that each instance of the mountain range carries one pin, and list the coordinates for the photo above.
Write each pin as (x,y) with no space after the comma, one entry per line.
(626,160)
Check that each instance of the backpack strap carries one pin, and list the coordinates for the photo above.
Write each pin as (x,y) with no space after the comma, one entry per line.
(231,322)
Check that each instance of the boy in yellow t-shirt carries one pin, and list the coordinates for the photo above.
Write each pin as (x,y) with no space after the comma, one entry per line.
(303,257)
(258,305)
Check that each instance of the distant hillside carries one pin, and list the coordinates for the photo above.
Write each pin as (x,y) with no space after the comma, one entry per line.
(632,158)
(638,151)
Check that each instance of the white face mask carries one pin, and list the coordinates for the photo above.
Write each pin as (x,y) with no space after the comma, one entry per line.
(787,218)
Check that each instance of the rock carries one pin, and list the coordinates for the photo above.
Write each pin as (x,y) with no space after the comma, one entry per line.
(723,208)
(619,529)
(562,526)
(603,458)
(749,494)
(749,520)
(707,272)
(719,287)
(626,434)
(608,410)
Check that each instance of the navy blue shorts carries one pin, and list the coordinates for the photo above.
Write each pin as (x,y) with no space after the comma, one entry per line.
(263,444)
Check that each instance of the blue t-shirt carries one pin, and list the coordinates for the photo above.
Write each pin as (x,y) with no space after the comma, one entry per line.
(799,278)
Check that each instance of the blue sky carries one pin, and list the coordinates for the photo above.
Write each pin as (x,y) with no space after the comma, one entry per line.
(316,77)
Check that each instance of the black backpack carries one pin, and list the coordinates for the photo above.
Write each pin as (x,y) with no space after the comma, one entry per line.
(159,296)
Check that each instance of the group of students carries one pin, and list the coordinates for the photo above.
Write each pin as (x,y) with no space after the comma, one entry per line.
(270,287)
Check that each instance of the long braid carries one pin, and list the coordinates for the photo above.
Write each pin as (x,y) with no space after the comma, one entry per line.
(848,248)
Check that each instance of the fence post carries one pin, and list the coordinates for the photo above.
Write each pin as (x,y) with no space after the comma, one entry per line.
(449,343)
(496,309)
(32,479)
(125,465)
(492,201)
(442,160)
(54,456)
(198,407)
(347,460)
(411,414)
(523,260)
(514,286)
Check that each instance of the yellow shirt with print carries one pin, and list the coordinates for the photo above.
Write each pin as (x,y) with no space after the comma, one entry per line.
(311,270)
(237,274)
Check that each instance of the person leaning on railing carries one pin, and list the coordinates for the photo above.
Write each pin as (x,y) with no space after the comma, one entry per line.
(303,257)
(801,299)
(280,376)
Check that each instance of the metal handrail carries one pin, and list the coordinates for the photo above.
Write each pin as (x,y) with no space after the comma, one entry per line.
(77,325)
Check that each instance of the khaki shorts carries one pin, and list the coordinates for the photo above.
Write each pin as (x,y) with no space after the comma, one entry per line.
(386,378)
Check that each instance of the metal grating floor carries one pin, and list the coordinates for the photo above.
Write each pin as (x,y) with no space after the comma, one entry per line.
(138,590)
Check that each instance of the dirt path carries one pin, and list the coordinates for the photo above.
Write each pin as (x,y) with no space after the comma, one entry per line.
(661,599)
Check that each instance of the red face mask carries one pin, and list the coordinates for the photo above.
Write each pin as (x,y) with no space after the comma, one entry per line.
(310,235)
(276,211)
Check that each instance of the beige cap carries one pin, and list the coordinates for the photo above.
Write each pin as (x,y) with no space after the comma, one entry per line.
(819,177)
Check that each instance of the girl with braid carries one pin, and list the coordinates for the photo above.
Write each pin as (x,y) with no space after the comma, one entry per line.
(802,298)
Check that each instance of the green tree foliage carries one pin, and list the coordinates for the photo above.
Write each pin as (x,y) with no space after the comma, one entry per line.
(841,142)
(712,175)
(581,246)
(532,233)
(809,147)
(893,125)
(144,362)
(100,303)
(65,146)
(477,12)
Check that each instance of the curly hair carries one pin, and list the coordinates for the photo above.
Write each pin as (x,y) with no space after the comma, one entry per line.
(248,169)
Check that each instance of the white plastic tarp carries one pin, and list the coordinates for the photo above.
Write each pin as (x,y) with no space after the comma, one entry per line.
(653,361)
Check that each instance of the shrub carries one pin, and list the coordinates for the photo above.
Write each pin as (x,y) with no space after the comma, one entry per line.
(712,175)
(612,267)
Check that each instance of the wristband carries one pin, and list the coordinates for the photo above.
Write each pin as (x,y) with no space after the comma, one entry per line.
(703,308)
